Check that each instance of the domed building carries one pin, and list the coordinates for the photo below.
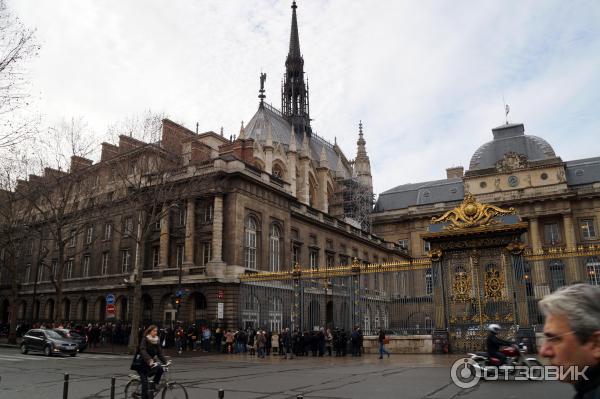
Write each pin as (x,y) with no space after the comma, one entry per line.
(560,200)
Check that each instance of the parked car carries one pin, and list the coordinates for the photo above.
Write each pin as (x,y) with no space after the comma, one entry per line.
(47,341)
(82,340)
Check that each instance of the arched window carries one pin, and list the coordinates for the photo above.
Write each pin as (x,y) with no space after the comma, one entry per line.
(593,270)
(274,248)
(251,243)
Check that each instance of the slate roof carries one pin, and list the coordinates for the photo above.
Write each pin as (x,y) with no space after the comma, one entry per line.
(281,131)
(583,171)
(510,138)
(412,194)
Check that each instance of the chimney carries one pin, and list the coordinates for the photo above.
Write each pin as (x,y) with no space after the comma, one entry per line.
(455,171)
(78,163)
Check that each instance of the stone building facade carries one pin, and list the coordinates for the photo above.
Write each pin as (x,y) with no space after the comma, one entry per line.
(560,200)
(258,202)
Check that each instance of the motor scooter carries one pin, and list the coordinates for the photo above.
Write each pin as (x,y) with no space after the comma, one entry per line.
(515,356)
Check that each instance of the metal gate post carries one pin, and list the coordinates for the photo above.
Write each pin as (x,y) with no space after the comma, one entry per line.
(297,313)
(355,293)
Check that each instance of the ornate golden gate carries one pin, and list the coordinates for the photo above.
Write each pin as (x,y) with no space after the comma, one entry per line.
(476,258)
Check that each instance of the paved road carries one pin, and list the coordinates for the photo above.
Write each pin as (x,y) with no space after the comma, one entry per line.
(401,376)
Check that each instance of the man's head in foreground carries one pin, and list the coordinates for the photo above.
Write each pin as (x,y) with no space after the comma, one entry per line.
(572,327)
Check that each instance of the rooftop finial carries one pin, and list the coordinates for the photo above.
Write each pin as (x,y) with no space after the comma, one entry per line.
(360,132)
(263,77)
(221,131)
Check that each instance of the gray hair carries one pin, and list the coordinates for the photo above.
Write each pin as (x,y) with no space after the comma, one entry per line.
(580,303)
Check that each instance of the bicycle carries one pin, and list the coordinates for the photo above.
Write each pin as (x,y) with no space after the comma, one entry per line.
(170,389)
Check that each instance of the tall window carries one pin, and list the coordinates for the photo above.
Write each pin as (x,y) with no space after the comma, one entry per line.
(557,275)
(125,260)
(552,233)
(314,259)
(128,226)
(428,282)
(72,238)
(330,260)
(426,247)
(104,266)
(295,255)
(180,251)
(250,243)
(54,268)
(403,244)
(89,234)
(588,229)
(593,270)
(69,269)
(30,247)
(40,273)
(107,231)
(85,266)
(274,248)
(27,273)
(208,212)
(182,216)
(206,252)
(155,257)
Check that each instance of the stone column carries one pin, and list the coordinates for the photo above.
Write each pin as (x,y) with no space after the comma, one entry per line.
(190,233)
(538,269)
(573,272)
(164,238)
(216,266)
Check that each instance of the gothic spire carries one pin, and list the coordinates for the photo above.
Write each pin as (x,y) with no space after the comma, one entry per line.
(361,150)
(294,91)
(294,38)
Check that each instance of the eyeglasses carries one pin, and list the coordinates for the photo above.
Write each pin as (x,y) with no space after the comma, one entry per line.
(555,339)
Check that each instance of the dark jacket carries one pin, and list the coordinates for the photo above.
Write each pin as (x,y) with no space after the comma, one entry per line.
(149,351)
(494,343)
(381,336)
(589,389)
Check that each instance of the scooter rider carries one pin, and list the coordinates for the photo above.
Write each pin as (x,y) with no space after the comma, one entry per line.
(494,343)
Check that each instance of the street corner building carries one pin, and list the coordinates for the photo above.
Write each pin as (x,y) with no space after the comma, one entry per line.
(186,216)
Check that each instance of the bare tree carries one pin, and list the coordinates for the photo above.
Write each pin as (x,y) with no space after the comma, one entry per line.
(14,228)
(63,199)
(17,44)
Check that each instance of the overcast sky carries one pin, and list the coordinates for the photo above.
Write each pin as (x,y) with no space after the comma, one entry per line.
(427,78)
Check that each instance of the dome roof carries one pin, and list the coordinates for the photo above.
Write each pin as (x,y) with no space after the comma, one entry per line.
(510,138)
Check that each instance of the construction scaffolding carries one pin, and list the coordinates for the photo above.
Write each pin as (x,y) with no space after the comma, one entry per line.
(353,202)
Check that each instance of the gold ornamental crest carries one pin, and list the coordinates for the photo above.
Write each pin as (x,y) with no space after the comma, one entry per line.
(471,213)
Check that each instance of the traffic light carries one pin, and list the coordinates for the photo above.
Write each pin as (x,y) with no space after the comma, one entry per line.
(177,301)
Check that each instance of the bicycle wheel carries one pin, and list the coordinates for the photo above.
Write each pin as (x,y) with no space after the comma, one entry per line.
(133,387)
(174,391)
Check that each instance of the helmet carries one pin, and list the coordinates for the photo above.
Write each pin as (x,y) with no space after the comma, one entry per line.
(495,328)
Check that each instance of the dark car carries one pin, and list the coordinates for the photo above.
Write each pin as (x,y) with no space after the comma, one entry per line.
(82,340)
(47,341)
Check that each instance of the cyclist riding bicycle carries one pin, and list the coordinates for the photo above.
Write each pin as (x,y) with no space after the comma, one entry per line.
(150,349)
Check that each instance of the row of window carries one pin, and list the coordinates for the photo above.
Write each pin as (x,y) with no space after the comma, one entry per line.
(205,254)
(251,248)
(86,262)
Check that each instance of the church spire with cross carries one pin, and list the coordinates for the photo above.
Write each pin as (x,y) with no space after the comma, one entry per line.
(294,92)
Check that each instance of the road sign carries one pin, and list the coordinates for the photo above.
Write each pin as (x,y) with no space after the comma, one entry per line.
(110,310)
(110,299)
(221,294)
(220,310)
